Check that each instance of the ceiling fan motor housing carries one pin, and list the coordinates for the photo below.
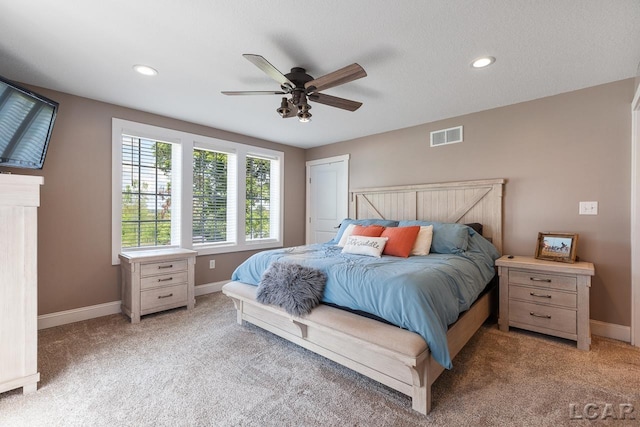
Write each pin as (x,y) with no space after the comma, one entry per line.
(298,76)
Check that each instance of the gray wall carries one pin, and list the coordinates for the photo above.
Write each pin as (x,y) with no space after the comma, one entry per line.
(74,219)
(554,152)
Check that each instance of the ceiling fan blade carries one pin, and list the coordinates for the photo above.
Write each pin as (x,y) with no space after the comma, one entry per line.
(252,92)
(269,69)
(334,101)
(338,77)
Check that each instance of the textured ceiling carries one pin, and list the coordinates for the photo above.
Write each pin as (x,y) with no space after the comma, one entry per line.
(417,55)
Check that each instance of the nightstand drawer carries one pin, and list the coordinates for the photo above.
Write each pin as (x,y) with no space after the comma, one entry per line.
(555,318)
(154,298)
(163,280)
(543,296)
(542,280)
(163,267)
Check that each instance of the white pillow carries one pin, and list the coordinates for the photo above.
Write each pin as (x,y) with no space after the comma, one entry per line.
(363,245)
(422,246)
(346,234)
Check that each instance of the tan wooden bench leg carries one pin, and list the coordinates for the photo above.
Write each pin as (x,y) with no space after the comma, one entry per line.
(238,305)
(421,399)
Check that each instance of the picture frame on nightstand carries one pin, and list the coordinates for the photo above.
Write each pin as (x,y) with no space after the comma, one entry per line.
(559,247)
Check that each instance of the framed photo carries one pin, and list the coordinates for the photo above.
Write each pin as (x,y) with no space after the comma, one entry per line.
(557,247)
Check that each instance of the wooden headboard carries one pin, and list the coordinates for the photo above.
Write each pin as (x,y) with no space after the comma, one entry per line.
(464,202)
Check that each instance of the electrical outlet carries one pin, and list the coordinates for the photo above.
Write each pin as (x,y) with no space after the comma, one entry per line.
(588,208)
(212,263)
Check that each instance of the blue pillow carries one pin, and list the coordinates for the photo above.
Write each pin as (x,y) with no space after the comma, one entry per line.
(345,223)
(448,238)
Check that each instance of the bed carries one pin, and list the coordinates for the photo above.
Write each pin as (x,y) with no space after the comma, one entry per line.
(397,357)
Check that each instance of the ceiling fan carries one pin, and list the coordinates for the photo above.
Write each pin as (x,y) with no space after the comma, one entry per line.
(303,88)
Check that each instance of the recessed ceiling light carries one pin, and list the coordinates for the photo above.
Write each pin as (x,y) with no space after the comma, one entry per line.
(483,61)
(145,70)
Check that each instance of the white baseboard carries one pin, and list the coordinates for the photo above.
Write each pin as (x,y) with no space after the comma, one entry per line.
(209,288)
(91,312)
(610,330)
(604,329)
(84,313)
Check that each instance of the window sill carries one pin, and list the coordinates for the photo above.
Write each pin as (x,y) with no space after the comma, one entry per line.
(237,248)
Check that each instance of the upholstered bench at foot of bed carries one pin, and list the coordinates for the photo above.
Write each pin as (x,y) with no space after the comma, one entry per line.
(388,354)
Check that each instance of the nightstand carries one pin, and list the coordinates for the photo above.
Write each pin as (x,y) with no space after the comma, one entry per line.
(157,280)
(549,297)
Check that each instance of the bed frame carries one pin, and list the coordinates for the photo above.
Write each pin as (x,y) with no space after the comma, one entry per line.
(390,355)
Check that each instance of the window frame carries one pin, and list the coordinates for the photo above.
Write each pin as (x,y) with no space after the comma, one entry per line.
(231,217)
(275,182)
(174,233)
(182,152)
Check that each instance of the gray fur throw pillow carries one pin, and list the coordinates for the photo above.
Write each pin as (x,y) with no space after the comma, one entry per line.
(296,288)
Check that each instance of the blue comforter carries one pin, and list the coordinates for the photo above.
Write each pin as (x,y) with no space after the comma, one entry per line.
(423,294)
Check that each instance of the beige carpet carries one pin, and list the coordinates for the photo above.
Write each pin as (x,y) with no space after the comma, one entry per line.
(199,368)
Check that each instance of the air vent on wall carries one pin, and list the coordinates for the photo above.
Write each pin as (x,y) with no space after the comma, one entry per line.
(446,136)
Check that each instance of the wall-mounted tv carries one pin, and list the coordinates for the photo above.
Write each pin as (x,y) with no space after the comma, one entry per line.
(26,122)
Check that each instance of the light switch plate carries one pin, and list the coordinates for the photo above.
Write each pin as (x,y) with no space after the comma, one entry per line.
(588,208)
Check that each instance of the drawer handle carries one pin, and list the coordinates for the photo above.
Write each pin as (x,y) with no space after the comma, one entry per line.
(533,294)
(544,316)
(536,279)
(171,278)
(165,266)
(164,296)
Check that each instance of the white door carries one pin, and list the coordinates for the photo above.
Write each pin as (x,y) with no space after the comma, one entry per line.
(327,197)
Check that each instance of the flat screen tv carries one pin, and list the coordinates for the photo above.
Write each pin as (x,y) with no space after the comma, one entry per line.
(26,122)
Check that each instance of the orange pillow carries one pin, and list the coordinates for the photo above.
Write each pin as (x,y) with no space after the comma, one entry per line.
(401,240)
(367,230)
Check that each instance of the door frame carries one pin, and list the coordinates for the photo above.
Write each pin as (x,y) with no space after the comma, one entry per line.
(310,163)
(635,219)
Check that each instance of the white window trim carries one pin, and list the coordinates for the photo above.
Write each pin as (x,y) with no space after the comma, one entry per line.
(187,141)
(278,181)
(232,195)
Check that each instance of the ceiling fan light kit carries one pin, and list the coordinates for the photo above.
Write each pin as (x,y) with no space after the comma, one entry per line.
(303,88)
(284,109)
(304,116)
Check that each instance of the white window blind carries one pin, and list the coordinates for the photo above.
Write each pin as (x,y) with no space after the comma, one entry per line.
(146,192)
(214,202)
(262,201)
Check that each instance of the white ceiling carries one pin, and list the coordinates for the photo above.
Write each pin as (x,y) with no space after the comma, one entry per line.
(417,55)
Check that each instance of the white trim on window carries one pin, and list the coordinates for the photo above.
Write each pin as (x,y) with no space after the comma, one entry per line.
(116,195)
(230,205)
(275,224)
(183,182)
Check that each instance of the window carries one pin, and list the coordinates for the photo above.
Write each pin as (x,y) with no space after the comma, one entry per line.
(146,192)
(224,196)
(261,203)
(213,209)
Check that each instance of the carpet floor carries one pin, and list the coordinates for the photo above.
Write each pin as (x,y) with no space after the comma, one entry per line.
(200,368)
